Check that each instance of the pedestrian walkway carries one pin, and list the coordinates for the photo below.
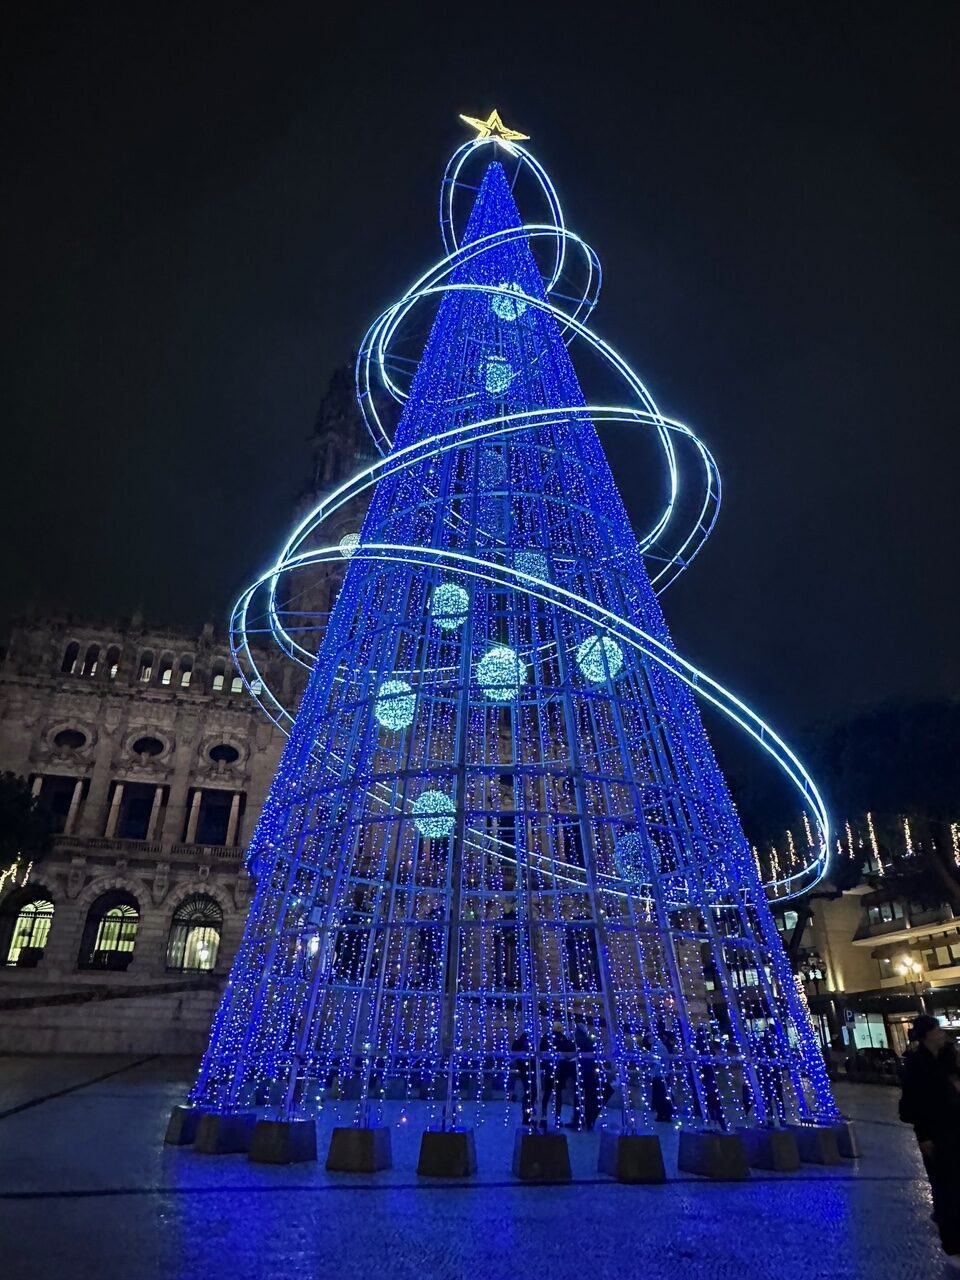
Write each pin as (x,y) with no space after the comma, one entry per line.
(87,1189)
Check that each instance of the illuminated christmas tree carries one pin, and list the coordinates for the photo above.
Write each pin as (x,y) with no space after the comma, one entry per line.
(498,807)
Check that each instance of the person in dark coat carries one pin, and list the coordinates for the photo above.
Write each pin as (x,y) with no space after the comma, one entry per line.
(588,1103)
(556,1068)
(931,1103)
(660,1098)
(527,1075)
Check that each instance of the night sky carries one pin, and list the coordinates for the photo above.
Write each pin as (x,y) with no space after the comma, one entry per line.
(205,205)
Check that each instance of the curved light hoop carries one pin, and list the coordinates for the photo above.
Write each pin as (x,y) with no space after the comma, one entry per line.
(427,285)
(605,351)
(450,182)
(472,433)
(588,611)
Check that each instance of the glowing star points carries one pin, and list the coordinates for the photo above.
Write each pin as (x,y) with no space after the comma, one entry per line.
(494,129)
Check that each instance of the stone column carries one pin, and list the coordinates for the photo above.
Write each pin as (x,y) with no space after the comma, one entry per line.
(155,812)
(234,820)
(186,733)
(194,817)
(74,806)
(114,813)
(92,820)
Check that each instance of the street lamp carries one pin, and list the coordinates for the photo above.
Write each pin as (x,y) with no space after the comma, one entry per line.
(911,970)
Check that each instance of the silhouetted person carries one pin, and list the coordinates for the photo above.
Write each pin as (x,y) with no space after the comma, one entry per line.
(660,1099)
(703,1044)
(931,1103)
(770,1077)
(527,1075)
(555,1075)
(587,1107)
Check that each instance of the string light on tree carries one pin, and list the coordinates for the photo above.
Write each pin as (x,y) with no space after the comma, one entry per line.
(599,658)
(597,868)
(500,673)
(449,606)
(497,375)
(395,705)
(533,563)
(434,814)
(508,307)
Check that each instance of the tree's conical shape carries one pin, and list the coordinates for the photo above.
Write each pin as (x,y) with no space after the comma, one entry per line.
(491,814)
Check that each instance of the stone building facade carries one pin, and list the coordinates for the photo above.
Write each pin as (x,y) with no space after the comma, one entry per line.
(155,763)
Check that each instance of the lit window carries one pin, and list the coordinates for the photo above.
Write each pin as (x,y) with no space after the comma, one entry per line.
(91,661)
(71,656)
(28,919)
(195,934)
(185,679)
(113,661)
(236,685)
(145,669)
(110,932)
(218,682)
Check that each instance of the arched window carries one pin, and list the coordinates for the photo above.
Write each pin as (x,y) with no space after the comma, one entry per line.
(145,669)
(186,672)
(217,675)
(113,661)
(195,934)
(71,656)
(236,685)
(91,661)
(25,919)
(110,931)
(166,669)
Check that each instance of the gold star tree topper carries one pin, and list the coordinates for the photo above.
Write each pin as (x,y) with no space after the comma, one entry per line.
(494,128)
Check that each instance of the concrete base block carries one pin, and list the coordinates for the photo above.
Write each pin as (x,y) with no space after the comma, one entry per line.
(847,1142)
(224,1135)
(771,1149)
(631,1157)
(182,1126)
(720,1156)
(541,1157)
(284,1142)
(817,1143)
(447,1153)
(356,1150)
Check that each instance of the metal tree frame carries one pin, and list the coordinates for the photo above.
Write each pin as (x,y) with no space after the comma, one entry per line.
(498,806)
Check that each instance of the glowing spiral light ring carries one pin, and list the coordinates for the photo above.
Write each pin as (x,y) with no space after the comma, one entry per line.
(492,572)
(375,354)
(594,615)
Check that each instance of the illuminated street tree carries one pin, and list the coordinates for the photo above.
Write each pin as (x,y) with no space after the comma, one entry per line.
(498,805)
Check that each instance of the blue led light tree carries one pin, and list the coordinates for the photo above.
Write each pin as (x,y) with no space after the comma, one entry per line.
(498,805)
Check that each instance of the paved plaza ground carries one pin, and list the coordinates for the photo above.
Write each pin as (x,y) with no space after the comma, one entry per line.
(87,1189)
